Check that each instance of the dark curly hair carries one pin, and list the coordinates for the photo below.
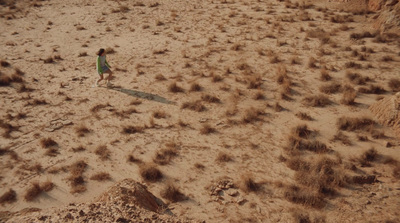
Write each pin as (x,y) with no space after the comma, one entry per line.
(101,51)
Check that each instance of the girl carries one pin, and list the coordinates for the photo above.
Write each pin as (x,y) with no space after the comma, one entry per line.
(103,67)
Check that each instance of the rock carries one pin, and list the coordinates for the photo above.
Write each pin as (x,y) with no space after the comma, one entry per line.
(233,193)
(132,192)
(240,201)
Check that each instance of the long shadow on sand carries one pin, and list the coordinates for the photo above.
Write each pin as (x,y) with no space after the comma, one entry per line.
(143,95)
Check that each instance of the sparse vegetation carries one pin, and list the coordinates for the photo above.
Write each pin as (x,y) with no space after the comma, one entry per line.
(351,124)
(48,142)
(194,105)
(207,129)
(101,176)
(150,172)
(8,197)
(103,152)
(173,87)
(223,157)
(172,193)
(316,101)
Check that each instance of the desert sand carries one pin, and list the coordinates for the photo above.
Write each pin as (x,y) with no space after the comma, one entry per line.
(226,110)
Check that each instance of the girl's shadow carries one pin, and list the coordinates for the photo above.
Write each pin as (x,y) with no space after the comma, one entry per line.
(143,95)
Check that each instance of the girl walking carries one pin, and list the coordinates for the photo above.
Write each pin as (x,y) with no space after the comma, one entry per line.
(103,67)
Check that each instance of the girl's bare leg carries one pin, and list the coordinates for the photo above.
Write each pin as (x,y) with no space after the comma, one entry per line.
(101,78)
(108,79)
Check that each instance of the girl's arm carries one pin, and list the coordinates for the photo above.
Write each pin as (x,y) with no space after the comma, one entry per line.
(99,69)
(107,64)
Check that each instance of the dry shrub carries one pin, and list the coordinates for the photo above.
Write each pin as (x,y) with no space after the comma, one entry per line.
(349,95)
(207,129)
(172,193)
(281,75)
(278,107)
(304,116)
(299,144)
(248,184)
(8,197)
(4,63)
(150,172)
(103,152)
(372,89)
(331,88)
(223,157)
(387,58)
(164,156)
(254,82)
(324,176)
(51,152)
(367,157)
(199,166)
(301,131)
(216,78)
(5,80)
(312,63)
(394,84)
(210,98)
(160,77)
(173,87)
(33,191)
(356,78)
(78,149)
(259,95)
(47,142)
(195,87)
(365,34)
(16,78)
(48,60)
(82,130)
(47,186)
(159,114)
(98,107)
(274,59)
(316,101)
(304,196)
(351,124)
(130,129)
(252,115)
(132,159)
(101,176)
(297,163)
(340,136)
(78,167)
(396,172)
(324,75)
(194,106)
(353,64)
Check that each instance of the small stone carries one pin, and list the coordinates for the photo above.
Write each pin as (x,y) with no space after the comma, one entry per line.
(369,202)
(233,193)
(240,201)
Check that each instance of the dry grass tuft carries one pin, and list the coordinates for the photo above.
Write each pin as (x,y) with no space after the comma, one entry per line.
(207,129)
(78,149)
(356,78)
(33,191)
(172,193)
(47,142)
(316,101)
(210,99)
(340,136)
(195,87)
(248,184)
(324,75)
(349,96)
(259,95)
(299,144)
(150,172)
(372,89)
(164,156)
(367,157)
(223,157)
(8,197)
(351,124)
(103,152)
(304,196)
(304,116)
(194,106)
(82,130)
(331,88)
(47,186)
(173,87)
(301,131)
(159,114)
(160,77)
(394,84)
(132,159)
(252,115)
(101,176)
(130,129)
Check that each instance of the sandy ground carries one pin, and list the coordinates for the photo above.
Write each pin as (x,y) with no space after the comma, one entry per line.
(234,50)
